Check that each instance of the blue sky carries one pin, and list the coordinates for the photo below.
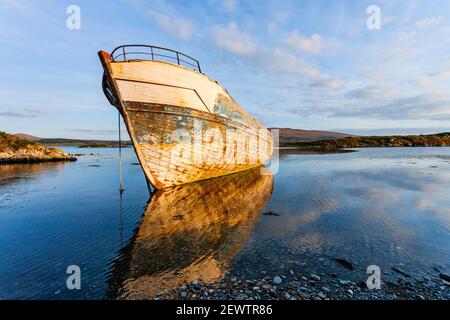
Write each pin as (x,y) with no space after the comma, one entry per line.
(298,64)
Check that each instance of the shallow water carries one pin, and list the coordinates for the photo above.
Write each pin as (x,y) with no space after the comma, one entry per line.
(389,207)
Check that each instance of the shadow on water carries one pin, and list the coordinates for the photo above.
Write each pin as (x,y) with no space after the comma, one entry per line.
(189,232)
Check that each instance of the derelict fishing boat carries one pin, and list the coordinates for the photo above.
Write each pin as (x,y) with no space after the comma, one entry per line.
(184,126)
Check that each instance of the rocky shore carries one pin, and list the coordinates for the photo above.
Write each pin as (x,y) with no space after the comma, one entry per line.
(309,287)
(333,279)
(17,150)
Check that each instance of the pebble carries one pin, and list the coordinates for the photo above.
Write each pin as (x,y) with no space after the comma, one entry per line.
(344,282)
(321,295)
(315,277)
(276,280)
(266,286)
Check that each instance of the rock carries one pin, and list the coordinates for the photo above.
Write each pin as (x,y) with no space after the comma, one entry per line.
(345,263)
(326,289)
(315,277)
(362,284)
(350,291)
(194,282)
(402,272)
(276,280)
(344,282)
(286,295)
(183,294)
(334,275)
(444,277)
(420,297)
(321,295)
(266,286)
(271,213)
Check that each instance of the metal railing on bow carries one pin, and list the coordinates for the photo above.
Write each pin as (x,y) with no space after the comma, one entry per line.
(147,52)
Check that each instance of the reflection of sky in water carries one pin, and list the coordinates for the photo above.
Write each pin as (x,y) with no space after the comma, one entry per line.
(376,206)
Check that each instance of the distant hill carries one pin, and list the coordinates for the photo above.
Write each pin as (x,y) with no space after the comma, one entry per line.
(428,140)
(28,137)
(84,143)
(299,135)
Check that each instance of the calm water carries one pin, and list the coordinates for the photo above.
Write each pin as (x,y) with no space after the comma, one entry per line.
(389,207)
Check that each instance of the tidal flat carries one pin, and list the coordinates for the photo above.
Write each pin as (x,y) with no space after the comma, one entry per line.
(310,231)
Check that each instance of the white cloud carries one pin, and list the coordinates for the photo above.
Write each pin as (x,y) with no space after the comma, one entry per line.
(388,19)
(373,92)
(176,26)
(327,83)
(430,106)
(429,22)
(313,44)
(232,39)
(230,5)
(280,18)
(16,4)
(281,61)
(435,77)
(423,81)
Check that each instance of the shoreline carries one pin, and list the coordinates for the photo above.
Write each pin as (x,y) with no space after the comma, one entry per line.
(35,160)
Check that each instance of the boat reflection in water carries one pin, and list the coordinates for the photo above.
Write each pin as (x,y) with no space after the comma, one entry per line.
(190,232)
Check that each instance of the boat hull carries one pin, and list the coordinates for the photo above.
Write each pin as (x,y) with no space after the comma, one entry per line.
(184,126)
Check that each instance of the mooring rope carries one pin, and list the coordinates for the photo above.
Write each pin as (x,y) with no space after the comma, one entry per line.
(121,189)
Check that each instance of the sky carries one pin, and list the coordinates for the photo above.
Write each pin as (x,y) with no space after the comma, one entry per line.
(298,64)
